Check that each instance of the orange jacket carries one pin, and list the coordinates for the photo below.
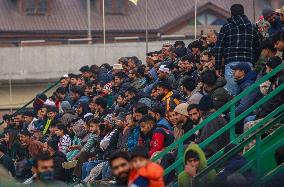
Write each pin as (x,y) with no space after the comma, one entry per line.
(153,172)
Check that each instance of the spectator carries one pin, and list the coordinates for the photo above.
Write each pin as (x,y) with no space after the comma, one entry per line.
(194,161)
(134,132)
(274,20)
(278,40)
(43,172)
(64,139)
(214,87)
(100,104)
(120,165)
(238,41)
(167,96)
(190,91)
(206,109)
(164,74)
(144,172)
(158,112)
(184,124)
(33,147)
(120,84)
(155,138)
(211,39)
(244,77)
(29,120)
(77,96)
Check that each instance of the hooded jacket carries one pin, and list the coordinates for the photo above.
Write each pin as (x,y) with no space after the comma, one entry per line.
(219,94)
(164,123)
(184,180)
(152,173)
(238,41)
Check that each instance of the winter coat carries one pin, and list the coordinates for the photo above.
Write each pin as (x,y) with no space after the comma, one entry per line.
(219,94)
(162,122)
(139,83)
(248,100)
(238,41)
(170,101)
(151,176)
(7,162)
(187,126)
(184,180)
(275,27)
(208,130)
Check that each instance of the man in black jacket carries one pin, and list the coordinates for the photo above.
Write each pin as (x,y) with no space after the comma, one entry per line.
(6,160)
(238,41)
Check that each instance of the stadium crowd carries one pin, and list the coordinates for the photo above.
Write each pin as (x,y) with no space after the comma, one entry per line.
(106,123)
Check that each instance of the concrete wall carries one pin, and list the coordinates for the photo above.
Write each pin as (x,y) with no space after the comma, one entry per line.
(50,62)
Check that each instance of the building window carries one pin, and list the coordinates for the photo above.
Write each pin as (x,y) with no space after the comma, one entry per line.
(115,6)
(36,7)
(207,19)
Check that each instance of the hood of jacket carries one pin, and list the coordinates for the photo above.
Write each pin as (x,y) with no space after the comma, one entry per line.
(164,124)
(195,148)
(241,21)
(249,78)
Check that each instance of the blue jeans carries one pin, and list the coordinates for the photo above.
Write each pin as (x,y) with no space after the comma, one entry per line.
(231,85)
(88,166)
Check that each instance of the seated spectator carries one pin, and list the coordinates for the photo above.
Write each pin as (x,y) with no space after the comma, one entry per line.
(64,139)
(166,96)
(203,111)
(134,132)
(190,91)
(144,172)
(214,87)
(194,161)
(158,112)
(120,166)
(184,123)
(43,168)
(154,137)
(120,84)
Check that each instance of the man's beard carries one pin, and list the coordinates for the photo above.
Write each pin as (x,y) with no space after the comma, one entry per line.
(196,122)
(160,96)
(123,177)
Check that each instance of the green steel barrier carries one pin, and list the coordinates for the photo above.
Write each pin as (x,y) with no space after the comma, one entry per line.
(271,174)
(31,101)
(259,153)
(230,126)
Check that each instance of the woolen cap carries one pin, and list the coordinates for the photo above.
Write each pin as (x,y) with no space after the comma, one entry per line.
(182,109)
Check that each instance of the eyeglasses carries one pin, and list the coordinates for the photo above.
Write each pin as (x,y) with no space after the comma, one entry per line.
(118,166)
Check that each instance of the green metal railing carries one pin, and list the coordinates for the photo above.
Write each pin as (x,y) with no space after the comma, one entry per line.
(259,152)
(271,174)
(49,87)
(230,126)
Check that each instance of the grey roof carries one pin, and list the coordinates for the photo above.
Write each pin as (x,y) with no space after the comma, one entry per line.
(70,15)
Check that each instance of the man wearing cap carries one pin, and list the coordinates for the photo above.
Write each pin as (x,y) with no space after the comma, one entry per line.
(244,78)
(238,41)
(184,124)
(164,74)
(274,20)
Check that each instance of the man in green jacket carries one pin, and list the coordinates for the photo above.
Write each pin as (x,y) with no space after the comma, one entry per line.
(195,161)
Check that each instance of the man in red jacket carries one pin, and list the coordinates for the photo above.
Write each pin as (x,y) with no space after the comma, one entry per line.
(153,136)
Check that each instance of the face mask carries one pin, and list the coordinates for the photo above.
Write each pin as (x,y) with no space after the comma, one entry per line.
(46,176)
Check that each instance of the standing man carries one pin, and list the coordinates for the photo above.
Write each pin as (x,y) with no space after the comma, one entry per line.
(238,41)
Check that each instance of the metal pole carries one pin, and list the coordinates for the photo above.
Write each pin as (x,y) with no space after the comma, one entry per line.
(104,29)
(10,92)
(195,20)
(253,4)
(147,26)
(89,19)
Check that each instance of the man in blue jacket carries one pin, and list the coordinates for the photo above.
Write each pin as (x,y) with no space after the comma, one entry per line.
(244,78)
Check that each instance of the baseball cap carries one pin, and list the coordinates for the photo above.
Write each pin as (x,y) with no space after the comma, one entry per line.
(242,66)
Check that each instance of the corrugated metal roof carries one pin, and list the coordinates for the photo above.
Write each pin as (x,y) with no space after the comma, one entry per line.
(70,15)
